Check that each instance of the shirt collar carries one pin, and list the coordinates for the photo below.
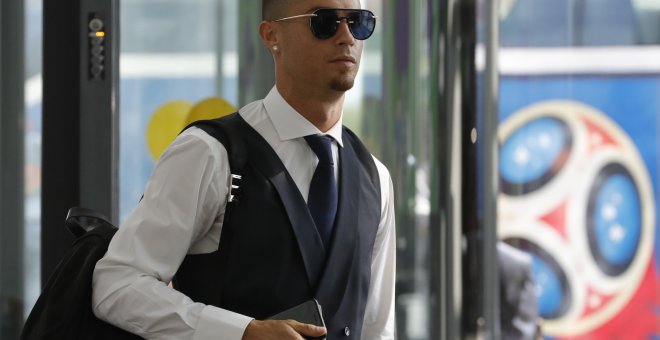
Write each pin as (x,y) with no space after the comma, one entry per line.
(290,124)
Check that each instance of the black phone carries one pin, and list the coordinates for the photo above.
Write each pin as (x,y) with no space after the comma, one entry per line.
(307,312)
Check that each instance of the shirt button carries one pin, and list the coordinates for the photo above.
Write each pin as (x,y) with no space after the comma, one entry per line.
(347,331)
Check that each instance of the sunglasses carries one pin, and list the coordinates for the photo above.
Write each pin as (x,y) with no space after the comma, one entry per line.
(325,22)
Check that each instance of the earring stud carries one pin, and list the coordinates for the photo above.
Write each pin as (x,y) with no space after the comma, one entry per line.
(275,48)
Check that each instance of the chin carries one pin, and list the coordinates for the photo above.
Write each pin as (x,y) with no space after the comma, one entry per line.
(342,85)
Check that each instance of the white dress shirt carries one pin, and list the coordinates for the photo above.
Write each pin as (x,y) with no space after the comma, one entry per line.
(182,213)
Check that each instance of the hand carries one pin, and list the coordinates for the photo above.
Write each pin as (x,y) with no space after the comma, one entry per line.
(281,330)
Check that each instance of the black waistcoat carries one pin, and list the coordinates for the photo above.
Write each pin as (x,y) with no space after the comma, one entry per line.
(270,255)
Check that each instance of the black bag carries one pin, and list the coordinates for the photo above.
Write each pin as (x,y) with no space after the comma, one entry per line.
(64,308)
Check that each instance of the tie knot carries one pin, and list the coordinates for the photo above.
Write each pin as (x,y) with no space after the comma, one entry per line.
(322,147)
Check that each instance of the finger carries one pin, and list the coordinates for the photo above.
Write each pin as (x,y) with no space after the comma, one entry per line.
(306,329)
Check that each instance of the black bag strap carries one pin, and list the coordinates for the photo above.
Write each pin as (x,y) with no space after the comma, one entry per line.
(224,130)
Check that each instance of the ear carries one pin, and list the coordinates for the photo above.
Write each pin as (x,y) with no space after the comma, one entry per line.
(268,34)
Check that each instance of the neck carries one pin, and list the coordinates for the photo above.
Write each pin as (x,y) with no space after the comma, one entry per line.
(321,109)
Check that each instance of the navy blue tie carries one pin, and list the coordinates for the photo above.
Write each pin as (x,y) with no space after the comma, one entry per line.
(322,200)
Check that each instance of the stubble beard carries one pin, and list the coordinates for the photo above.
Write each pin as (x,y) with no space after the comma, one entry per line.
(342,85)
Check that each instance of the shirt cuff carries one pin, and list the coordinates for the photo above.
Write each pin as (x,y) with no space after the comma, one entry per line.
(214,322)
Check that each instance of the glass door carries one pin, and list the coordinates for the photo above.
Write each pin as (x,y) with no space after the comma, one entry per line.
(178,59)
(20,161)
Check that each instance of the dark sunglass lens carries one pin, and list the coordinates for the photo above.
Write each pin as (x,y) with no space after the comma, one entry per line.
(363,24)
(324,24)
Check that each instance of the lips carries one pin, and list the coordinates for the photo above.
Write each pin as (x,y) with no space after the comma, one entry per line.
(343,59)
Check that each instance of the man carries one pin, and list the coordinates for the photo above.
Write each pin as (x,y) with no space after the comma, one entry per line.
(518,306)
(284,243)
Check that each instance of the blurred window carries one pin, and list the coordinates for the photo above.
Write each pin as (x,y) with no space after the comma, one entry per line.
(33,102)
(170,51)
(547,23)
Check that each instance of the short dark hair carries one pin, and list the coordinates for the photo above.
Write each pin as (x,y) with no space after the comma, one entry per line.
(273,9)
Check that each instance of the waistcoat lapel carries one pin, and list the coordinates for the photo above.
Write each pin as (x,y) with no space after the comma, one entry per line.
(264,159)
(349,231)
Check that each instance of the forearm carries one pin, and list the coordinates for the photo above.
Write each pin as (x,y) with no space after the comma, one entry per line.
(379,316)
(147,307)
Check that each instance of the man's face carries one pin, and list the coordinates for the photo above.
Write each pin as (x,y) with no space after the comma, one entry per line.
(305,60)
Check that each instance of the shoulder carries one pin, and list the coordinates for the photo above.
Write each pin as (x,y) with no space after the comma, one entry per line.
(198,138)
(195,145)
(383,172)
(366,158)
(386,186)
(351,137)
(378,171)
(384,177)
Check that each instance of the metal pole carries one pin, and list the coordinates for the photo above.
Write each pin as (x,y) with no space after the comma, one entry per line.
(448,153)
(80,103)
(489,170)
(481,285)
(60,142)
(99,106)
(12,134)
(473,265)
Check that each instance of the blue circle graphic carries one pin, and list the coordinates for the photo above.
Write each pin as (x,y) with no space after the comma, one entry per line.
(549,288)
(533,154)
(615,219)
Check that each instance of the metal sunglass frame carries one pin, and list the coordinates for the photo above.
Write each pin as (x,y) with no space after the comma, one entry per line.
(339,20)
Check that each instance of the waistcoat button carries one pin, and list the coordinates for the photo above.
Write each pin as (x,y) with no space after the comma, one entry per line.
(347,331)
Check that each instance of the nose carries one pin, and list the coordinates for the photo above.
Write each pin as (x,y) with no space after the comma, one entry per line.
(344,34)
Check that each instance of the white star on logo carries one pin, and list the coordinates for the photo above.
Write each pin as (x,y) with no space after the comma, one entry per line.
(521,155)
(617,233)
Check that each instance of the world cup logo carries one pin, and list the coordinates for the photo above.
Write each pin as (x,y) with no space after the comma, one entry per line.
(576,195)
